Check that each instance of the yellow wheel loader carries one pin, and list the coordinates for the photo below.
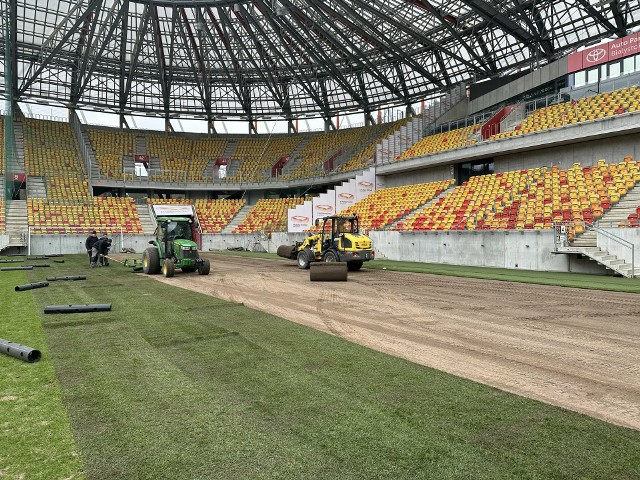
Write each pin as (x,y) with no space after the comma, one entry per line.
(339,241)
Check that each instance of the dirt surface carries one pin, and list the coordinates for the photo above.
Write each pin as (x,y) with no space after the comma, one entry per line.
(579,349)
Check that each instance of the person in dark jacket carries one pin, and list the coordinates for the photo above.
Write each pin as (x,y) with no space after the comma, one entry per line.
(89,243)
(100,251)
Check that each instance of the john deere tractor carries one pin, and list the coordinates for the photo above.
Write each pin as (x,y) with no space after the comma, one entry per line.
(174,248)
(339,241)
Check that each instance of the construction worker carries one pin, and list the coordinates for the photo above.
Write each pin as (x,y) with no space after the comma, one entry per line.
(89,243)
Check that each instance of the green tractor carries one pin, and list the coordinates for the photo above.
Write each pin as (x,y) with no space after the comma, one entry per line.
(174,248)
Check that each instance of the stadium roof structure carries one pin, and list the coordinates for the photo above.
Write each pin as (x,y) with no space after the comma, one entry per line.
(257,59)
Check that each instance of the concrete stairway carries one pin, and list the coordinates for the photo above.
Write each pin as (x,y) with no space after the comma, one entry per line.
(237,220)
(147,223)
(620,211)
(16,223)
(141,145)
(16,163)
(36,187)
(604,258)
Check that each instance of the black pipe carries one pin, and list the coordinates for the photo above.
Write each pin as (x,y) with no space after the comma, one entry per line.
(58,261)
(16,255)
(26,267)
(54,255)
(68,277)
(98,307)
(42,257)
(22,352)
(31,286)
(38,265)
(11,261)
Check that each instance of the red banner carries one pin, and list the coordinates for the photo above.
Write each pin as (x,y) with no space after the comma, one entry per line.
(606,52)
(141,158)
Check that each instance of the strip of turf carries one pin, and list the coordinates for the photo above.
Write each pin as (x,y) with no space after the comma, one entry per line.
(559,279)
(174,384)
(35,437)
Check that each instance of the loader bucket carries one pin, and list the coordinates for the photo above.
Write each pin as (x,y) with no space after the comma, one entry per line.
(328,272)
(285,251)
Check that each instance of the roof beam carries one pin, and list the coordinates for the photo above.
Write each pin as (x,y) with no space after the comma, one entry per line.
(205,90)
(162,63)
(598,17)
(68,34)
(142,32)
(425,5)
(493,15)
(122,96)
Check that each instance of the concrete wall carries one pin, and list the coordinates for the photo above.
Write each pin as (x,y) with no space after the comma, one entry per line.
(617,248)
(70,244)
(521,85)
(435,174)
(525,250)
(612,149)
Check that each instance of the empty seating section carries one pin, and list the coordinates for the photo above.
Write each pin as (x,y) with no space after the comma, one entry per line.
(585,109)
(387,205)
(268,214)
(361,158)
(174,153)
(214,215)
(110,148)
(1,145)
(50,152)
(258,155)
(322,146)
(439,142)
(204,151)
(530,199)
(102,214)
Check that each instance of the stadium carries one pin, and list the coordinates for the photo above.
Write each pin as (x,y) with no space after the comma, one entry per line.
(490,153)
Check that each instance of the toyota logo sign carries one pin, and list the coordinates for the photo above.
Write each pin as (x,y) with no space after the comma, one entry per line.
(595,55)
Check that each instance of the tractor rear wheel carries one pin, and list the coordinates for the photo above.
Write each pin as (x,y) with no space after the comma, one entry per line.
(304,259)
(151,261)
(355,265)
(204,267)
(168,268)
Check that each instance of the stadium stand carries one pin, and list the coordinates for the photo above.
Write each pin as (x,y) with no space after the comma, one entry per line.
(174,152)
(322,146)
(258,155)
(385,206)
(598,106)
(1,145)
(214,215)
(204,151)
(361,158)
(268,214)
(2,216)
(109,214)
(530,199)
(110,148)
(51,152)
(439,142)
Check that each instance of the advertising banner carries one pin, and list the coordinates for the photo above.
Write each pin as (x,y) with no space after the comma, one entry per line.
(345,195)
(365,184)
(324,205)
(173,210)
(606,52)
(300,218)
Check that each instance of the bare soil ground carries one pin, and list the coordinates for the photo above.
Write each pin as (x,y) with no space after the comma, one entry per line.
(578,349)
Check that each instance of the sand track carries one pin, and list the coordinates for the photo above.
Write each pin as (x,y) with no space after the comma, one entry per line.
(578,349)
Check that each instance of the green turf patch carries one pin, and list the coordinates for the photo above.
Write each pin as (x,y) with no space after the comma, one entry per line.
(35,437)
(161,387)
